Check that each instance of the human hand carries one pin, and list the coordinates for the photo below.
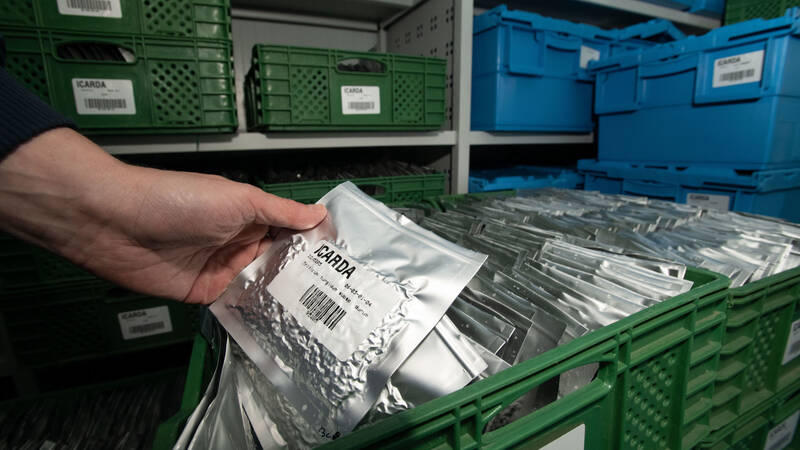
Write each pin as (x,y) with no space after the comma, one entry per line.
(170,234)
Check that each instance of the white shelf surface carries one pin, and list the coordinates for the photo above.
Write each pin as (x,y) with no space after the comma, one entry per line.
(512,138)
(119,145)
(653,10)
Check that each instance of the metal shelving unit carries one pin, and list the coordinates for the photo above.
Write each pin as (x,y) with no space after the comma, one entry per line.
(440,28)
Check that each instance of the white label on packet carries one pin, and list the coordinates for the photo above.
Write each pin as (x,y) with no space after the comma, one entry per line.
(588,54)
(738,69)
(102,96)
(709,201)
(361,100)
(783,433)
(144,322)
(92,8)
(572,440)
(336,299)
(792,343)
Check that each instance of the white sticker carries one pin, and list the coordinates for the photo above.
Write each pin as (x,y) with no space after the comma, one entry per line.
(783,434)
(709,201)
(361,100)
(572,440)
(144,322)
(792,343)
(101,96)
(336,299)
(93,8)
(738,69)
(588,54)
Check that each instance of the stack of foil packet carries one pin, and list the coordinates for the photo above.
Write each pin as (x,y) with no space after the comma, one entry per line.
(560,264)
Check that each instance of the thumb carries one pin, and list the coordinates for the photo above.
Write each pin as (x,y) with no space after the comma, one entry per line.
(281,212)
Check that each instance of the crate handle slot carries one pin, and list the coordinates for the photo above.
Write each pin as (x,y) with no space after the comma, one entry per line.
(94,51)
(563,42)
(372,189)
(361,65)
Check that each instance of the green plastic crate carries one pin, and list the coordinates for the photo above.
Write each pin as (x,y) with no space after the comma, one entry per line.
(312,89)
(396,189)
(772,425)
(74,321)
(741,10)
(205,19)
(171,86)
(760,321)
(201,366)
(653,388)
(23,265)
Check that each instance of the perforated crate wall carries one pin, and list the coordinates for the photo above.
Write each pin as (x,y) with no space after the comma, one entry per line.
(393,189)
(741,10)
(299,88)
(205,19)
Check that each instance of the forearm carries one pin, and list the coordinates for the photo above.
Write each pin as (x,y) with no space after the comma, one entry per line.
(49,189)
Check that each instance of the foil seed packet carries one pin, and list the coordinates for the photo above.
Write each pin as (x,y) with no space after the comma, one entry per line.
(329,314)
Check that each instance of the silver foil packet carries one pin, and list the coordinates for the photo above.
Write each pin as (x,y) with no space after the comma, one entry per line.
(329,314)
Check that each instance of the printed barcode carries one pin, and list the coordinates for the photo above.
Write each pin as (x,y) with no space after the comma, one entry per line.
(321,307)
(780,443)
(361,105)
(737,76)
(105,104)
(794,348)
(90,5)
(146,328)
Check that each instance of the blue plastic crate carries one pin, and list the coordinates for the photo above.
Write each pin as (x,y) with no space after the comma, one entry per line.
(729,98)
(770,192)
(524,177)
(529,72)
(714,8)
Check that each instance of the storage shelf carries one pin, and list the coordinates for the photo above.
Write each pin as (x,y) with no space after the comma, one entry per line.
(513,138)
(118,145)
(652,10)
(373,11)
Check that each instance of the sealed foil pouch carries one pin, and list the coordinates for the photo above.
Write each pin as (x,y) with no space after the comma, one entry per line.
(329,314)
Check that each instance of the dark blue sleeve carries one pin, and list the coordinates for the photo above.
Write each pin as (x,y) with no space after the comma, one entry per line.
(23,114)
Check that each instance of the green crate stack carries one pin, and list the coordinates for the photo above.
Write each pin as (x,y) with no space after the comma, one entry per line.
(389,189)
(126,66)
(302,89)
(760,350)
(742,10)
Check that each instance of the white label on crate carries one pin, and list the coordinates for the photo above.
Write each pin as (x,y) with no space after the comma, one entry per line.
(105,97)
(361,100)
(738,69)
(588,54)
(144,322)
(793,343)
(783,434)
(709,201)
(93,8)
(336,299)
(572,440)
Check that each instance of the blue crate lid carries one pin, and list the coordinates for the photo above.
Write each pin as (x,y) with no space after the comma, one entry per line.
(501,15)
(736,34)
(695,176)
(524,177)
(656,31)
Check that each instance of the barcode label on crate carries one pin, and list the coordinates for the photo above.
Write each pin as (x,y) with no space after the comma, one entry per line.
(738,69)
(144,322)
(361,100)
(709,201)
(93,8)
(792,343)
(335,298)
(588,54)
(571,440)
(94,96)
(782,434)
